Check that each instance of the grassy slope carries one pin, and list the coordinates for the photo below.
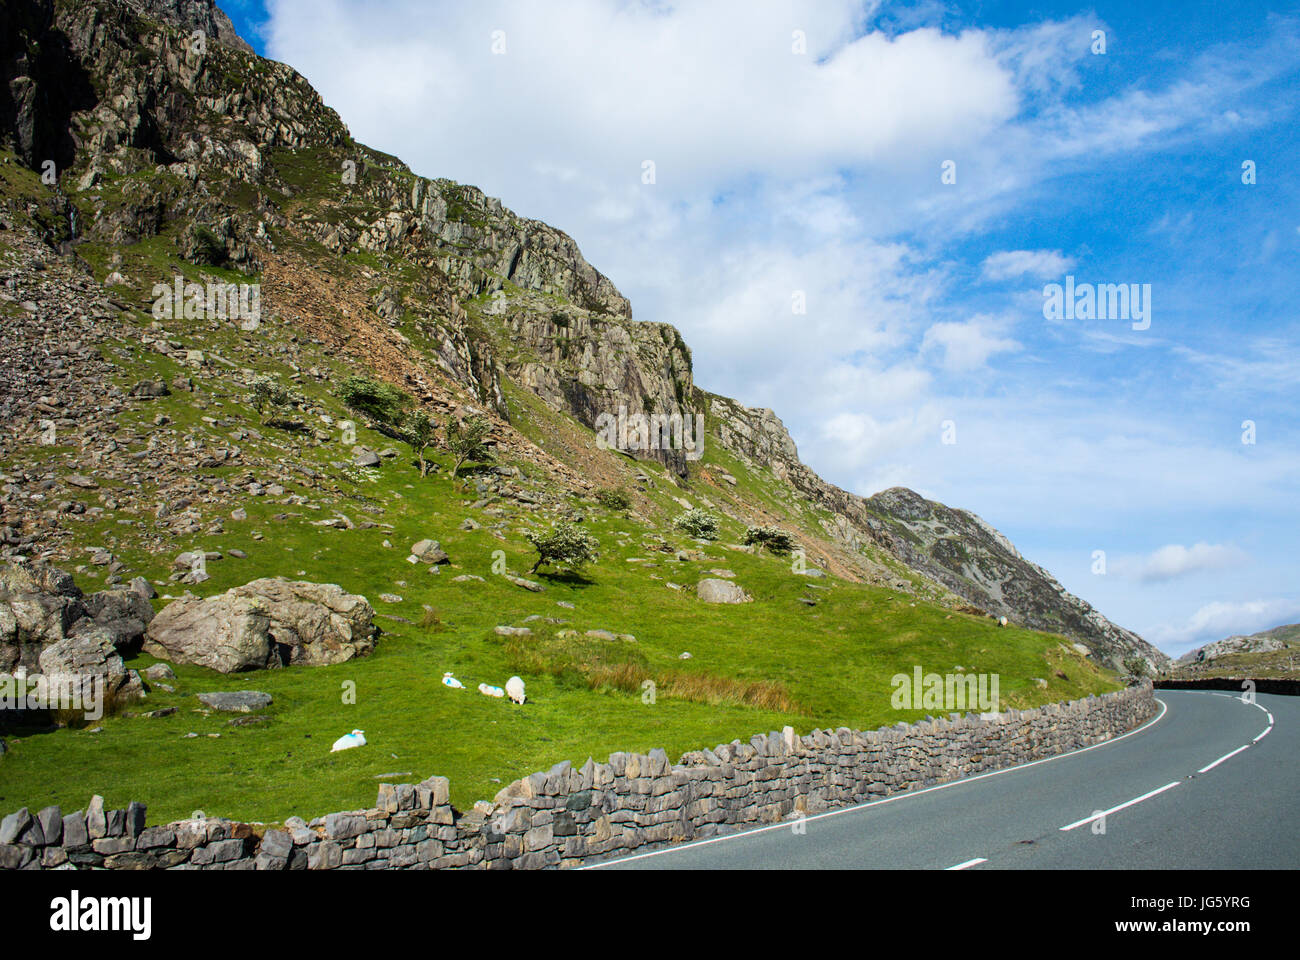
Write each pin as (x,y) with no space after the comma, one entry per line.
(833,661)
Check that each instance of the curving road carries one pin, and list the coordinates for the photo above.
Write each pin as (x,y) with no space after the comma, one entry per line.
(1210,782)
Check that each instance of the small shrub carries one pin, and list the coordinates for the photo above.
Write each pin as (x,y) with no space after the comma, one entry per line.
(613,499)
(563,545)
(378,400)
(777,541)
(700,524)
(430,619)
(207,250)
(267,395)
(1135,669)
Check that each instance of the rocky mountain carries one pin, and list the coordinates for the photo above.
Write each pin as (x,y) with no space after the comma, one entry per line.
(1266,641)
(191,15)
(950,547)
(171,157)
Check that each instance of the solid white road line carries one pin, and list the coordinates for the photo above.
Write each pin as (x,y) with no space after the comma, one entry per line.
(1265,731)
(1225,757)
(968,863)
(1164,708)
(1262,734)
(1107,813)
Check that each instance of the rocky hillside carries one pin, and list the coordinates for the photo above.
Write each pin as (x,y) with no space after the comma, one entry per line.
(1285,637)
(950,547)
(139,155)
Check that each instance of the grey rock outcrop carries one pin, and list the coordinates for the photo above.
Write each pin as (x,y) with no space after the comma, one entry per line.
(1266,641)
(38,606)
(123,614)
(49,627)
(87,658)
(264,624)
(190,15)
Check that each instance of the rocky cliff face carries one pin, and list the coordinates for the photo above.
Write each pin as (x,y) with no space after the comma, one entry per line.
(965,554)
(596,366)
(210,153)
(190,15)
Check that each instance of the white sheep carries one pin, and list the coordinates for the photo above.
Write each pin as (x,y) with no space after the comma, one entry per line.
(449,681)
(357,738)
(487,691)
(515,688)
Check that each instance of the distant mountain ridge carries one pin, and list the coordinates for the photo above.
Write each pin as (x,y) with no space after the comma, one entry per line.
(1266,641)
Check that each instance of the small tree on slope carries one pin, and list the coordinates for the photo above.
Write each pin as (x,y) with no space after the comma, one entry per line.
(563,545)
(419,430)
(467,440)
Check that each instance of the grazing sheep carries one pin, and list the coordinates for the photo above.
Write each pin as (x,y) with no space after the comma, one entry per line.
(515,688)
(357,738)
(449,681)
(487,691)
(1002,621)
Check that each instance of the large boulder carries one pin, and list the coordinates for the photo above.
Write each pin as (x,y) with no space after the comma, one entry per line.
(721,591)
(265,624)
(223,633)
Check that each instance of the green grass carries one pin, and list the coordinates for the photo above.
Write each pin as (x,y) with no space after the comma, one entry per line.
(834,660)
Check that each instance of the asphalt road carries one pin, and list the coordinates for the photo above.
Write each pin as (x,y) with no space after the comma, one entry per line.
(1175,795)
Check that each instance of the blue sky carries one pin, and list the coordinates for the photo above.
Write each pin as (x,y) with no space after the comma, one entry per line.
(820,172)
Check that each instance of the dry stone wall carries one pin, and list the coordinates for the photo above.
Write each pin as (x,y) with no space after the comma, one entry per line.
(569,816)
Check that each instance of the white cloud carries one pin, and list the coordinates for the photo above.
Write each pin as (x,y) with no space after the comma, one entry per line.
(612,84)
(1175,560)
(1272,362)
(967,346)
(1220,619)
(1037,264)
